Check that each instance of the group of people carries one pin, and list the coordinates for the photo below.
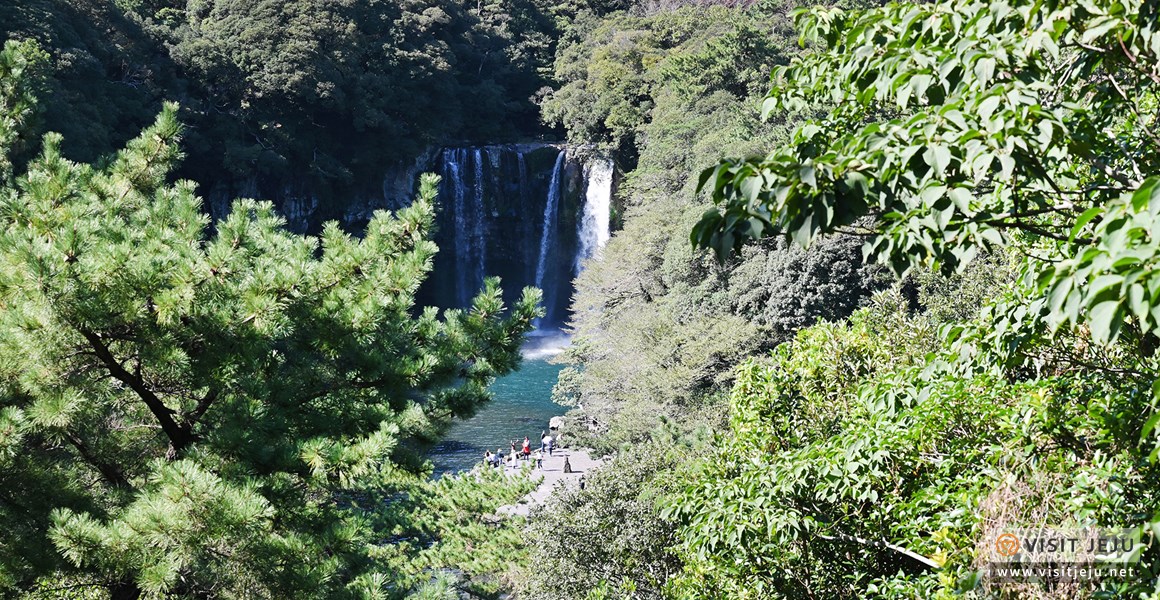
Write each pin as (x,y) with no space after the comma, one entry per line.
(523,452)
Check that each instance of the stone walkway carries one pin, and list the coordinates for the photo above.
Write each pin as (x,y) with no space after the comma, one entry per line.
(554,475)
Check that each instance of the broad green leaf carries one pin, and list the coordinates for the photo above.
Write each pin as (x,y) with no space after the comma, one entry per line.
(1084,219)
(1099,28)
(806,175)
(985,70)
(1104,320)
(938,157)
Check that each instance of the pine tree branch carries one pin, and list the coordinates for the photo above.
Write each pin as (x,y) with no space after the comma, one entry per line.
(198,411)
(180,436)
(110,472)
(149,162)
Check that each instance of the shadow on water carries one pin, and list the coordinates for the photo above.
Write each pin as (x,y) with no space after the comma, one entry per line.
(454,448)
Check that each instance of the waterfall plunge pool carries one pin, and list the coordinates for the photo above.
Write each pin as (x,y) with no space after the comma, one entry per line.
(521,406)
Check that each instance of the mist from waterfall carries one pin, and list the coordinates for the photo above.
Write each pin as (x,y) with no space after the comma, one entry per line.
(478,236)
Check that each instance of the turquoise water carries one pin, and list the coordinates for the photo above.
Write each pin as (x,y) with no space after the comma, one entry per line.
(521,406)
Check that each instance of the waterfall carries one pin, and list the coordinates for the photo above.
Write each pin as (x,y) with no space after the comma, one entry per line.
(551,210)
(468,214)
(453,176)
(478,236)
(529,226)
(528,213)
(593,230)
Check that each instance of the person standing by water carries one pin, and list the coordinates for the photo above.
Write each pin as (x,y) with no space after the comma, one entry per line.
(547,441)
(527,447)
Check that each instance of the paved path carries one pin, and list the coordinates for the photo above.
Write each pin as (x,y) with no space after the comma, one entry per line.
(554,475)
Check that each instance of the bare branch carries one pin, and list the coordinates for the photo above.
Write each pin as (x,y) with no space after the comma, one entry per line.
(883,544)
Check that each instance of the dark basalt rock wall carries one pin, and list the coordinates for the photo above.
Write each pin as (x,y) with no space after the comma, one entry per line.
(512,211)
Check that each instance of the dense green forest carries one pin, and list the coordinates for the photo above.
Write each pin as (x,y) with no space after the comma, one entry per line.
(994,370)
(320,95)
(857,319)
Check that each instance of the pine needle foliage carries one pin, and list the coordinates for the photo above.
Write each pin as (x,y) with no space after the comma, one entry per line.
(21,74)
(223,411)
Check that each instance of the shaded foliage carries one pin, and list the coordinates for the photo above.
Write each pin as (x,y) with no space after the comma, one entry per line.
(316,93)
(608,540)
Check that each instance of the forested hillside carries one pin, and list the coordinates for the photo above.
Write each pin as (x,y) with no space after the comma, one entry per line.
(881,293)
(660,327)
(958,131)
(316,94)
(669,90)
(995,161)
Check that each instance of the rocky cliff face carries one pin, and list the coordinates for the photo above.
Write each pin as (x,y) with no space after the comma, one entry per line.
(527,213)
(509,211)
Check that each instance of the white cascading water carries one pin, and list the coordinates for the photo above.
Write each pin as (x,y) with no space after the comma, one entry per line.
(551,210)
(593,230)
(453,159)
(529,229)
(468,186)
(479,241)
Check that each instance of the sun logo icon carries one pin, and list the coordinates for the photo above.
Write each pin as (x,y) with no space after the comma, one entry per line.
(1007,545)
